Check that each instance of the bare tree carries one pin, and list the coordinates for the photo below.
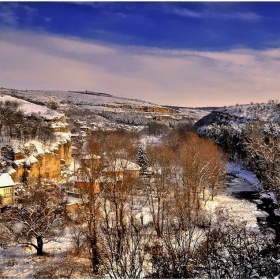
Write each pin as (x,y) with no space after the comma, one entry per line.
(162,163)
(234,251)
(88,214)
(123,252)
(38,216)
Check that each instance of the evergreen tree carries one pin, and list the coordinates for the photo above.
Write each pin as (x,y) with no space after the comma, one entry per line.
(142,159)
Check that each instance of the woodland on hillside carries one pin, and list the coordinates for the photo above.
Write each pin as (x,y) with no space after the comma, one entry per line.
(14,124)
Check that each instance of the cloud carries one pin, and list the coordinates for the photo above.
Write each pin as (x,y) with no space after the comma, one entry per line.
(247,16)
(8,14)
(12,13)
(174,77)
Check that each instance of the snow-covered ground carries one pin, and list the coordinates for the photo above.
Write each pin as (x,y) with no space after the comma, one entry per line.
(101,104)
(237,209)
(195,113)
(22,262)
(29,108)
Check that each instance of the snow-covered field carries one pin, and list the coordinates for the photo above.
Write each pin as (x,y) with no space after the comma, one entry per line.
(194,113)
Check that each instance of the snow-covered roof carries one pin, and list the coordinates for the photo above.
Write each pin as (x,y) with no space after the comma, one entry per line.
(30,160)
(121,165)
(6,180)
(90,156)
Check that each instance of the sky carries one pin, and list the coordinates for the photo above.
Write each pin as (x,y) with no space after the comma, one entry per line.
(170,53)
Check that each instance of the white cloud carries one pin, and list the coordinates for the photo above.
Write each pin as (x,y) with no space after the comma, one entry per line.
(175,77)
(247,16)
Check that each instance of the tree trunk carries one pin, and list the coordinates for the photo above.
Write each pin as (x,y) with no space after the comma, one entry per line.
(39,245)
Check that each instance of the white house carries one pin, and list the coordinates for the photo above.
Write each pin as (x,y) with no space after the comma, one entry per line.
(7,191)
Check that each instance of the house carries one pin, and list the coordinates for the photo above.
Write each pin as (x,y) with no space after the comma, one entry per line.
(7,191)
(120,168)
(86,185)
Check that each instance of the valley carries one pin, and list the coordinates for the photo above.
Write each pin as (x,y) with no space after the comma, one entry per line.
(111,187)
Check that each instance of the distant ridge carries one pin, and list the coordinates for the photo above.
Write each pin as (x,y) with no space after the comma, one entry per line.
(93,93)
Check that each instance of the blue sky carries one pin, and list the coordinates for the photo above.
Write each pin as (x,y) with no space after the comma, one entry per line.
(177,53)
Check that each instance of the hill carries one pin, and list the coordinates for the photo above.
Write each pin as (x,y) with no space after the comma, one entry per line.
(241,114)
(101,107)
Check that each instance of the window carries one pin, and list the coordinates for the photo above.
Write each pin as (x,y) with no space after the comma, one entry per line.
(7,191)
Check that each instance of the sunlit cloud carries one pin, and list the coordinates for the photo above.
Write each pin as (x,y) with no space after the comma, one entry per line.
(173,77)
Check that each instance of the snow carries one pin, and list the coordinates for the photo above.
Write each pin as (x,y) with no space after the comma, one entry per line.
(121,165)
(11,170)
(244,174)
(21,262)
(131,110)
(237,209)
(29,108)
(6,180)
(30,160)
(148,140)
(263,111)
(83,99)
(269,196)
(194,112)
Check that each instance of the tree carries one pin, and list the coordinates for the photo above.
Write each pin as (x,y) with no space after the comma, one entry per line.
(39,215)
(234,251)
(261,144)
(142,159)
(158,190)
(203,168)
(129,259)
(175,256)
(88,214)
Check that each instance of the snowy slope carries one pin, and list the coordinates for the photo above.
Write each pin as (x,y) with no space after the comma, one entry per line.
(267,112)
(78,98)
(29,108)
(99,103)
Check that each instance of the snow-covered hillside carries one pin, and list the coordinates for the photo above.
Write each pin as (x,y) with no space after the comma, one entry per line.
(259,111)
(30,108)
(78,98)
(32,136)
(128,111)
